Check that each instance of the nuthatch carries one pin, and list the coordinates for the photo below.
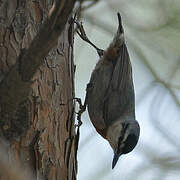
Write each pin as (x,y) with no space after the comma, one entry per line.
(110,95)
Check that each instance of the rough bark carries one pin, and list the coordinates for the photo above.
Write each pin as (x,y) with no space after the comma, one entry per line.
(37,119)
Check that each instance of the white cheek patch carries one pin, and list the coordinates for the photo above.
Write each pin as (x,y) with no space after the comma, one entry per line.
(125,137)
(113,134)
(123,141)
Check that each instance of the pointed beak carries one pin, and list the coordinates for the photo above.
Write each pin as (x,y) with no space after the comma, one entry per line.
(115,159)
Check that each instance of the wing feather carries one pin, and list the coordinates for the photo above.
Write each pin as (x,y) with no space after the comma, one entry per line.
(119,99)
(122,74)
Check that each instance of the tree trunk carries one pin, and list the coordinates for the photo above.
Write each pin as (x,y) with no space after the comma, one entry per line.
(41,133)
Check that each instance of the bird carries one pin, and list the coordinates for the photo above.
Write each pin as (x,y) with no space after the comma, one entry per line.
(110,97)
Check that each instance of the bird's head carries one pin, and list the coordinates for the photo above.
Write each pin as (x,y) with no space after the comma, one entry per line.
(123,137)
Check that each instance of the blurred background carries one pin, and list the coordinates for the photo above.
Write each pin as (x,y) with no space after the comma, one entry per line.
(152,32)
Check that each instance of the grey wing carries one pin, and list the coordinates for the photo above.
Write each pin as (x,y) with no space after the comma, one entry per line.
(96,91)
(122,74)
(120,96)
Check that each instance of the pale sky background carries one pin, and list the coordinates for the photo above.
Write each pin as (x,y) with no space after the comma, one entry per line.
(152,30)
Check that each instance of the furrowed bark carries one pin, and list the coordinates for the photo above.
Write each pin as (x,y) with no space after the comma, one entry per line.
(37,87)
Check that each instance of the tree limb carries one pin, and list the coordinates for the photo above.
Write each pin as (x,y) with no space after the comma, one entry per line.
(15,87)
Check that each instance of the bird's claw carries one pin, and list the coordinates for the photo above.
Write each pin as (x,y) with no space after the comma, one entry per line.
(82,108)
